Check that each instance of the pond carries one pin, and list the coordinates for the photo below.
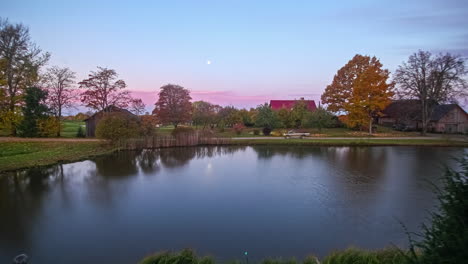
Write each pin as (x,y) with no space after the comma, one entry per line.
(267,200)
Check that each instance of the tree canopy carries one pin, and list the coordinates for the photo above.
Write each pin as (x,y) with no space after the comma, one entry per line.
(173,105)
(103,89)
(360,89)
(34,110)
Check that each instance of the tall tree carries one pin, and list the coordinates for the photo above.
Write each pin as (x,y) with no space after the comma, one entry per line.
(58,83)
(360,89)
(20,61)
(34,110)
(103,89)
(137,106)
(173,105)
(432,80)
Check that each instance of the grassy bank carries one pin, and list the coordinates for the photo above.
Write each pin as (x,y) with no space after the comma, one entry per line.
(353,142)
(17,155)
(349,256)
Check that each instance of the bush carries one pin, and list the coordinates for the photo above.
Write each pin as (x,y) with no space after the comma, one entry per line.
(9,120)
(80,133)
(238,128)
(147,126)
(266,131)
(182,131)
(256,132)
(186,256)
(48,127)
(117,126)
(386,256)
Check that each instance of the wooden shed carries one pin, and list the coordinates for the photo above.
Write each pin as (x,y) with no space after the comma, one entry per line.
(92,121)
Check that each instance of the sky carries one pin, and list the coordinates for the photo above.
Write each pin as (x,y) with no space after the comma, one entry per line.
(240,53)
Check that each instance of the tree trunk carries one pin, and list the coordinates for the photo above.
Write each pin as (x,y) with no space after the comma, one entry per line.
(59,118)
(424,117)
(370,126)
(12,109)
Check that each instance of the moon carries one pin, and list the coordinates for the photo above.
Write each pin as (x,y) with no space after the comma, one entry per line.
(208,62)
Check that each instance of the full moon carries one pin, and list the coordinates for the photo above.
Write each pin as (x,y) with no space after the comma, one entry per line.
(208,62)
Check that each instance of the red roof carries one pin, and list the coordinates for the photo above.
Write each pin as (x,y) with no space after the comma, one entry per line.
(289,104)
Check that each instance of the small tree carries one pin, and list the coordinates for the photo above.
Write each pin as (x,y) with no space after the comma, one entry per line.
(203,113)
(173,105)
(266,118)
(34,110)
(229,115)
(80,133)
(58,82)
(246,116)
(284,116)
(320,118)
(137,106)
(298,113)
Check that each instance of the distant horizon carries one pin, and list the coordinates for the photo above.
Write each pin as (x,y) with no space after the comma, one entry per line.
(243,53)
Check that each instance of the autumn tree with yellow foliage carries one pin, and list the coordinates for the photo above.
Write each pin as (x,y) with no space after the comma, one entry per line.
(361,90)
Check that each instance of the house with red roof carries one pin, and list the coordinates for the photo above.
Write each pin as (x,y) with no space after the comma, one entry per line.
(289,104)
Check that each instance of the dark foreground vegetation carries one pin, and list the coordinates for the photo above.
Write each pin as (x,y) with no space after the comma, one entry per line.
(187,256)
(445,240)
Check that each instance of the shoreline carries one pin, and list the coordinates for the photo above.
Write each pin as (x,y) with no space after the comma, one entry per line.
(24,153)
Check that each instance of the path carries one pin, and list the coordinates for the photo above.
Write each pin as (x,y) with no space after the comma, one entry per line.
(19,139)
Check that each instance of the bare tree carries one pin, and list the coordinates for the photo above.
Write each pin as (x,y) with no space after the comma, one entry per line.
(59,84)
(103,90)
(432,80)
(137,106)
(20,62)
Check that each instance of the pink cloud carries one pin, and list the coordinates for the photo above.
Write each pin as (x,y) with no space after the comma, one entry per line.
(221,97)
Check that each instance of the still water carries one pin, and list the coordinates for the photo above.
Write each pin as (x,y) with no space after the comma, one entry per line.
(222,201)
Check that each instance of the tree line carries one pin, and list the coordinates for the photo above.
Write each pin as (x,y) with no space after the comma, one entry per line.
(33,98)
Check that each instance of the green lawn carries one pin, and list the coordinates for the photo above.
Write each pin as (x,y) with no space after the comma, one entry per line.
(17,155)
(352,142)
(70,128)
(326,132)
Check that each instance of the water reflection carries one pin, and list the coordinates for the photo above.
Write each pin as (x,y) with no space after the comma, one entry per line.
(315,198)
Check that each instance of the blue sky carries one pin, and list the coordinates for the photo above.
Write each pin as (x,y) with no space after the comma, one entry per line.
(258,49)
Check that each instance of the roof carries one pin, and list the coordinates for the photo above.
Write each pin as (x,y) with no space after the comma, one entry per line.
(110,109)
(441,110)
(288,104)
(411,109)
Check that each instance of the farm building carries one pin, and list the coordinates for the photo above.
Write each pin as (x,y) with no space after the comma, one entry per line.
(289,104)
(92,121)
(446,118)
